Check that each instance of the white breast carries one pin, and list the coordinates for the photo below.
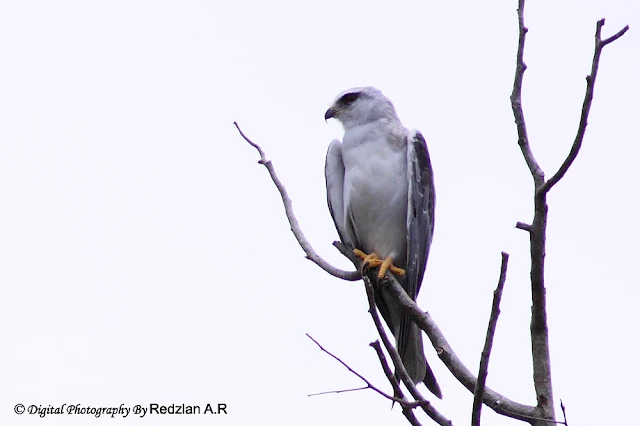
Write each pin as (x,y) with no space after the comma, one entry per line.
(375,189)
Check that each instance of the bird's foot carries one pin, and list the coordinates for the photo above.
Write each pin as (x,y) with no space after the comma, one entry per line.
(388,264)
(372,260)
(368,260)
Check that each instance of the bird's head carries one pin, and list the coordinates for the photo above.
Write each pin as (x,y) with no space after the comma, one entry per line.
(360,105)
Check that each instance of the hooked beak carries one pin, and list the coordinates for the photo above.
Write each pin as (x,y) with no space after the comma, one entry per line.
(331,113)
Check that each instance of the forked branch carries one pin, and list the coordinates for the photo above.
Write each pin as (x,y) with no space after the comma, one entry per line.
(545,411)
(586,105)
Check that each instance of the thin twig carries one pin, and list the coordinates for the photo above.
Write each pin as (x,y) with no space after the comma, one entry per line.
(564,412)
(516,101)
(488,344)
(361,377)
(295,227)
(523,226)
(407,410)
(339,391)
(586,105)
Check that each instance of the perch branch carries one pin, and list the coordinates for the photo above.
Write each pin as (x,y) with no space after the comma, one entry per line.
(295,227)
(488,344)
(497,402)
(586,105)
(397,361)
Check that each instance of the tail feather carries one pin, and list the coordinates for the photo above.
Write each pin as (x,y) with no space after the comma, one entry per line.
(431,383)
(416,363)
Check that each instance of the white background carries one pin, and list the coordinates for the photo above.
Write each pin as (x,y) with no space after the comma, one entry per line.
(145,256)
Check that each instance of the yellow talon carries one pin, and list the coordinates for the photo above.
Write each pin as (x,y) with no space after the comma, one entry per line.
(368,260)
(388,264)
(373,261)
(362,255)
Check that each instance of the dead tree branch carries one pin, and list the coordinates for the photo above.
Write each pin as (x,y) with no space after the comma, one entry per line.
(295,227)
(537,234)
(397,361)
(387,372)
(586,105)
(545,411)
(494,400)
(564,413)
(516,101)
(488,344)
(406,410)
(370,385)
(407,406)
(497,402)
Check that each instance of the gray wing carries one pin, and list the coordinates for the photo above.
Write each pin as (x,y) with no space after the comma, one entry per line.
(334,177)
(420,212)
(420,219)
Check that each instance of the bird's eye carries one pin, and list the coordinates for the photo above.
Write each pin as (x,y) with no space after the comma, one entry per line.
(349,98)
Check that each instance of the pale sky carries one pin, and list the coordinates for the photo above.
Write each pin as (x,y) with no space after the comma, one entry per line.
(145,256)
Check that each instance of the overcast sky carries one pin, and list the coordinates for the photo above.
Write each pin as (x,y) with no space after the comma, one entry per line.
(145,256)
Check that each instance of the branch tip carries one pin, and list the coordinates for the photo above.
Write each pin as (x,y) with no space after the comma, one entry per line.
(586,107)
(478,394)
(615,36)
(293,221)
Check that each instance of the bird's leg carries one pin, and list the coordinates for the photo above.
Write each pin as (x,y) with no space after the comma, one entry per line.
(373,261)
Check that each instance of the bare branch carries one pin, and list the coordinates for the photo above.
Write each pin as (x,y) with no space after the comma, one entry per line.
(397,361)
(488,344)
(406,410)
(537,235)
(564,412)
(407,406)
(340,391)
(295,227)
(545,411)
(361,377)
(586,105)
(499,403)
(516,102)
(615,36)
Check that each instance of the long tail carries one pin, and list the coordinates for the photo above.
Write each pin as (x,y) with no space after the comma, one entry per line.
(416,363)
(431,383)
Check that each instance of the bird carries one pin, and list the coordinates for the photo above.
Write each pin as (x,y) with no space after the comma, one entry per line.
(381,196)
